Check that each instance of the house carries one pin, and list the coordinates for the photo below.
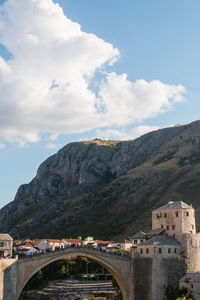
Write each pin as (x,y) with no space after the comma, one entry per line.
(23,247)
(6,245)
(89,240)
(71,242)
(124,244)
(50,245)
(102,245)
(138,238)
(159,246)
(32,251)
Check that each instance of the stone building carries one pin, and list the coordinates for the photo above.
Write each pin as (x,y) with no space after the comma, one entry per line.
(176,218)
(174,236)
(138,238)
(160,246)
(6,245)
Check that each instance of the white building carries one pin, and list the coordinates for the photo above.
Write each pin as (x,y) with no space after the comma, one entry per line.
(71,242)
(50,245)
(6,245)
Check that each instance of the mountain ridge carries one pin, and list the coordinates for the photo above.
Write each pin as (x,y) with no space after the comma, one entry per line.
(107,188)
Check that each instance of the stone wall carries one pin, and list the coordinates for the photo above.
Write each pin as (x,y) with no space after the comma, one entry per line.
(166,272)
(152,276)
(191,250)
(142,278)
(8,279)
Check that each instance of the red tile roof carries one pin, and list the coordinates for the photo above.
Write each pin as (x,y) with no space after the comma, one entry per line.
(78,241)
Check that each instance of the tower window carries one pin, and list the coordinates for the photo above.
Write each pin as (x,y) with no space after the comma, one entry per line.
(147,251)
(141,251)
(160,250)
(176,213)
(161,226)
(187,213)
(173,227)
(165,215)
(157,216)
(192,226)
(174,236)
(169,250)
(175,250)
(167,227)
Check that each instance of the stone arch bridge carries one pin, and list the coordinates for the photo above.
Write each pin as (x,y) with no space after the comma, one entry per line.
(139,278)
(15,273)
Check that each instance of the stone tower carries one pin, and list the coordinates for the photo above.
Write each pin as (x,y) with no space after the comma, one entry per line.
(176,218)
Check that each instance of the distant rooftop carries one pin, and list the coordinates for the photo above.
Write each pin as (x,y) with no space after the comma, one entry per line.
(155,232)
(191,277)
(5,237)
(173,205)
(139,235)
(161,240)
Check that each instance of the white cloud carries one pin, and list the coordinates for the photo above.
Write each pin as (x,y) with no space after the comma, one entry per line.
(132,133)
(45,85)
(127,101)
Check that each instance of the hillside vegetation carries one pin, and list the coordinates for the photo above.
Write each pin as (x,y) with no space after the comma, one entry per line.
(108,189)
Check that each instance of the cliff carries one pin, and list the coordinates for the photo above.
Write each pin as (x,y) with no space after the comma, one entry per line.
(107,188)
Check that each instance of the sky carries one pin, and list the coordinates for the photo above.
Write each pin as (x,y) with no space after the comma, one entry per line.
(73,70)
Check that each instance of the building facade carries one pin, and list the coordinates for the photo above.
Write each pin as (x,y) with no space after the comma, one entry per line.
(6,245)
(173,236)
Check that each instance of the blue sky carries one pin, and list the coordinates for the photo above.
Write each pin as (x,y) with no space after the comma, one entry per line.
(155,41)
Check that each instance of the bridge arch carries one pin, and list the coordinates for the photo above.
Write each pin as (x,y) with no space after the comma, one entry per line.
(118,266)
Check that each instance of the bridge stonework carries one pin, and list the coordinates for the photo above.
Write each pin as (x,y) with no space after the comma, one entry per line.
(138,278)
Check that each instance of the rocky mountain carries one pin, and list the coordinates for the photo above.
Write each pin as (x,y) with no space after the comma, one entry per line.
(107,188)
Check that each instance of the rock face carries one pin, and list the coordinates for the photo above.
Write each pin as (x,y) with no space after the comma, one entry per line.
(107,188)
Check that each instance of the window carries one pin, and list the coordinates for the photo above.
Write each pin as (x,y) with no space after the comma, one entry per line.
(176,213)
(160,250)
(157,216)
(173,227)
(169,250)
(175,250)
(141,251)
(165,215)
(147,251)
(187,213)
(167,227)
(1,244)
(161,226)
(192,226)
(192,286)
(174,235)
(135,241)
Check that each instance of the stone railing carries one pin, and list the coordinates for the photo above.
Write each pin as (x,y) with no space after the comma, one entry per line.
(85,250)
